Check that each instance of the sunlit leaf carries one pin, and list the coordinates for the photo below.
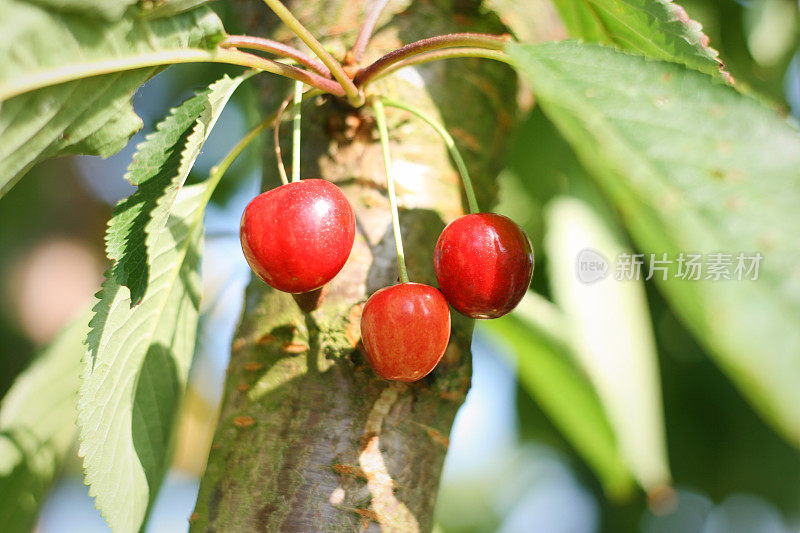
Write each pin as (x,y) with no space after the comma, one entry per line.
(656,28)
(159,168)
(46,110)
(136,369)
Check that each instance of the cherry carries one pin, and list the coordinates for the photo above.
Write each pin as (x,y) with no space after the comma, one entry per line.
(405,329)
(484,264)
(298,236)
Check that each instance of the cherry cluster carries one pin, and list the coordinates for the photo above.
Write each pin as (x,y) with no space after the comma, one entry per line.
(298,236)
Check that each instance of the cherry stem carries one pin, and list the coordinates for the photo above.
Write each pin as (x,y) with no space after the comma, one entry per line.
(473,40)
(374,13)
(472,202)
(218,170)
(450,53)
(279,49)
(355,97)
(276,139)
(276,136)
(298,101)
(380,118)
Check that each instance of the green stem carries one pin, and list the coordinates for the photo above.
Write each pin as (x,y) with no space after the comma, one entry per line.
(277,131)
(472,202)
(355,97)
(277,140)
(298,101)
(380,117)
(67,73)
(219,170)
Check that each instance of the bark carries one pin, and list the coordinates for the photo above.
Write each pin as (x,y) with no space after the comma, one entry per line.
(308,437)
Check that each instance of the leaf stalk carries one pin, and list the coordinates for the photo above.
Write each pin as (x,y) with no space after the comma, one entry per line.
(349,89)
(274,47)
(473,40)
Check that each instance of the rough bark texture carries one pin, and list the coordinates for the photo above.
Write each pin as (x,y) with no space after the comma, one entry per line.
(309,438)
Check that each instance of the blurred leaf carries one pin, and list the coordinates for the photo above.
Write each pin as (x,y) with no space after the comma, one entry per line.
(611,332)
(529,21)
(692,165)
(543,164)
(726,25)
(136,368)
(545,369)
(42,117)
(159,169)
(37,426)
(167,8)
(771,29)
(656,28)
(106,9)
(578,217)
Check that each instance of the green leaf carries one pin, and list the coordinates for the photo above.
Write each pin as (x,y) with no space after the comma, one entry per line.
(51,100)
(546,370)
(656,28)
(37,426)
(159,169)
(692,165)
(136,368)
(611,333)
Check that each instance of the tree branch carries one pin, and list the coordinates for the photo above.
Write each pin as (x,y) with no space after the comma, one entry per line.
(309,438)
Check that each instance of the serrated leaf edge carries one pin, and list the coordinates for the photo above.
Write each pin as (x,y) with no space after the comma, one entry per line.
(101,311)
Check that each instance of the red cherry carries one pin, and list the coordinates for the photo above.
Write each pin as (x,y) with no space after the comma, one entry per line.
(297,237)
(405,330)
(484,264)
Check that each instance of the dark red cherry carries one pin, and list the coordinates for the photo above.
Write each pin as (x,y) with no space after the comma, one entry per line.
(405,329)
(484,264)
(297,237)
